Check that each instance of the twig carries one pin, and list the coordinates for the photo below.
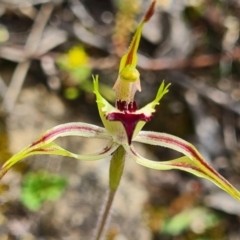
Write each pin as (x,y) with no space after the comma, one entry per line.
(13,53)
(30,48)
(82,14)
(11,4)
(194,62)
(3,87)
(87,37)
(215,95)
(15,85)
(17,53)
(38,27)
(51,40)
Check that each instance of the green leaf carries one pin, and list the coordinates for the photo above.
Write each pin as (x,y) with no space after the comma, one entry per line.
(186,219)
(81,74)
(71,93)
(39,187)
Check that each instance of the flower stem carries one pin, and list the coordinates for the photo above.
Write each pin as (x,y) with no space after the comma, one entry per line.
(115,174)
(105,215)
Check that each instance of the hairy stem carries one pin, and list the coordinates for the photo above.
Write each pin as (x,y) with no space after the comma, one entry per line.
(105,215)
(115,174)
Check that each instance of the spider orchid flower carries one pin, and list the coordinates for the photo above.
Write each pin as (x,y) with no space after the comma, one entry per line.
(122,126)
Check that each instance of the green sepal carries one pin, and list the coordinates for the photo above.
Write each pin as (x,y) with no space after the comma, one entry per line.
(149,109)
(45,144)
(193,162)
(130,58)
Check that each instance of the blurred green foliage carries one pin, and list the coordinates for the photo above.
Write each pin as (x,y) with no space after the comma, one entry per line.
(197,219)
(76,64)
(39,187)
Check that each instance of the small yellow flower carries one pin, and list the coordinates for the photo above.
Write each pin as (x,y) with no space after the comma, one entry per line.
(77,57)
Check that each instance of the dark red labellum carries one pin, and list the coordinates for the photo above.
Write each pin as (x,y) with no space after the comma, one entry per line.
(129,121)
(123,106)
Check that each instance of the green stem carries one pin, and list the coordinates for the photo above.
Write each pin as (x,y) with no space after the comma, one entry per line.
(105,214)
(115,174)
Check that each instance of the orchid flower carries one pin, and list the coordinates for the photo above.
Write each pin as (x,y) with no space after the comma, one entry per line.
(123,125)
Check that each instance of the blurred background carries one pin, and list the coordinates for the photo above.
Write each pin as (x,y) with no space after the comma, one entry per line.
(48,51)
